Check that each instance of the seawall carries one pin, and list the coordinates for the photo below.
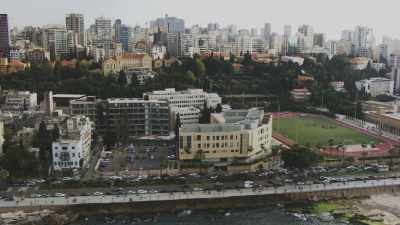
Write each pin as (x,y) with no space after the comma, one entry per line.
(153,207)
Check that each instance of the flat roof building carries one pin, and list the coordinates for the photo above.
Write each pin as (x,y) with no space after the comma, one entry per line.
(144,117)
(234,136)
(186,98)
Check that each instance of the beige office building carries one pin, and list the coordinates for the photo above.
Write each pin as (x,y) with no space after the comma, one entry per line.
(234,136)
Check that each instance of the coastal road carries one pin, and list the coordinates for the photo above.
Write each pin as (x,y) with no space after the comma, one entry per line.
(81,200)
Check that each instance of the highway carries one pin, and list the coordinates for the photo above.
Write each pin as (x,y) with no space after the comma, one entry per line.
(127,198)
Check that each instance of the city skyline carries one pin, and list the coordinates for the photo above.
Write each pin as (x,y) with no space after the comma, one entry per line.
(311,12)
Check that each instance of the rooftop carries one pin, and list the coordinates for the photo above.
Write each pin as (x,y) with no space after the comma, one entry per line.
(132,100)
(228,121)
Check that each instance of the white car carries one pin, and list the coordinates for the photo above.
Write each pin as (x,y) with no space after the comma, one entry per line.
(61,195)
(142,192)
(248,184)
(197,189)
(67,178)
(36,195)
(98,193)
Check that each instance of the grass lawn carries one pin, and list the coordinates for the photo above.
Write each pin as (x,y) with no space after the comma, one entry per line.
(319,130)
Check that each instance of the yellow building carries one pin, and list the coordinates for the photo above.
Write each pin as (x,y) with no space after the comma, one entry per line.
(11,66)
(233,136)
(126,62)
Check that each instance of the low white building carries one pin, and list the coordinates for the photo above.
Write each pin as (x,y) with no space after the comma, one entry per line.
(300,94)
(187,98)
(19,100)
(72,150)
(359,63)
(293,59)
(158,52)
(376,86)
(1,136)
(188,115)
(337,85)
(141,75)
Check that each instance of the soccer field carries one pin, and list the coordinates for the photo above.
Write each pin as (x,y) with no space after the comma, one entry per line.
(319,130)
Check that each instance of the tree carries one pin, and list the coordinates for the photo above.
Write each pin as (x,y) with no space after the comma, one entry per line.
(19,162)
(178,124)
(200,68)
(218,109)
(299,157)
(55,134)
(122,79)
(199,156)
(109,138)
(44,142)
(331,142)
(205,115)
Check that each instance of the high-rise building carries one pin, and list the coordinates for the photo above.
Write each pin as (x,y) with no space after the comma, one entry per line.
(267,31)
(382,51)
(347,35)
(213,26)
(75,23)
(395,60)
(103,28)
(56,42)
(174,44)
(363,41)
(287,33)
(319,39)
(330,47)
(117,30)
(125,36)
(4,35)
(308,33)
(168,24)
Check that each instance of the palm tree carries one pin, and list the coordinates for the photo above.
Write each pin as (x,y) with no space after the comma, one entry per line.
(275,152)
(394,153)
(364,156)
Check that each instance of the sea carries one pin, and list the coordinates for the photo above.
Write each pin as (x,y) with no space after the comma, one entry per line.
(259,216)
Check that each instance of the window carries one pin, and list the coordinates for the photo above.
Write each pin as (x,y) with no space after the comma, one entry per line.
(64,148)
(208,138)
(198,137)
(55,155)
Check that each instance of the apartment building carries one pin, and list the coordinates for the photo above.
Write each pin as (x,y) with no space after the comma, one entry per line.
(126,62)
(19,100)
(73,149)
(233,136)
(188,115)
(85,105)
(376,86)
(144,117)
(188,103)
(186,98)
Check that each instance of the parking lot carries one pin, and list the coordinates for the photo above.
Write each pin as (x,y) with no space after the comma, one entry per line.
(137,157)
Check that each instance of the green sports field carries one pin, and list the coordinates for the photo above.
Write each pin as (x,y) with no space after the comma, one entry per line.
(319,130)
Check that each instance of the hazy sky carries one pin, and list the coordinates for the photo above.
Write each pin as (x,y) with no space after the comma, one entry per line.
(327,16)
